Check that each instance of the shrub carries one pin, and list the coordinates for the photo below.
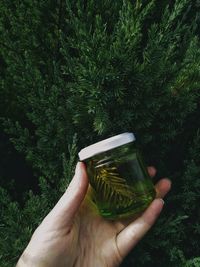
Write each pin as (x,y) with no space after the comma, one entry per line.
(75,72)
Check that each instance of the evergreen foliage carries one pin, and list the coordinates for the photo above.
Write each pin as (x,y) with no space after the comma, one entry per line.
(75,72)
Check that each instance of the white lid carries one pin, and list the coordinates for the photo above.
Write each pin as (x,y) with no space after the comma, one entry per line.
(105,145)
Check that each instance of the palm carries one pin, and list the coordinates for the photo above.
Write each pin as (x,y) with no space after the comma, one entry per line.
(73,234)
(89,241)
(97,239)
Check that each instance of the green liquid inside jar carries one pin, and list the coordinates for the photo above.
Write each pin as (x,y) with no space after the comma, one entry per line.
(121,186)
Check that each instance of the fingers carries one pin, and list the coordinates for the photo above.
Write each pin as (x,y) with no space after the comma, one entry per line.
(131,235)
(162,187)
(69,203)
(152,171)
(134,231)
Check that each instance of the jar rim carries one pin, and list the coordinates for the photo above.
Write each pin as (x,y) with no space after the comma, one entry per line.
(106,144)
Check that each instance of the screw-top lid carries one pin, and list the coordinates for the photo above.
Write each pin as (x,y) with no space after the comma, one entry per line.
(105,145)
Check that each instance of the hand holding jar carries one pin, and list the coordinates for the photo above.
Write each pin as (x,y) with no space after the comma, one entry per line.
(83,229)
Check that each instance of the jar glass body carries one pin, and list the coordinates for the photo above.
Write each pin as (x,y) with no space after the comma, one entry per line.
(121,186)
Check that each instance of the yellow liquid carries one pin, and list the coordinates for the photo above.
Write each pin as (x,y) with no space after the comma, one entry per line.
(120,188)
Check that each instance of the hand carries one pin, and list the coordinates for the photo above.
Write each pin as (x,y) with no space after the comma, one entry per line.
(73,234)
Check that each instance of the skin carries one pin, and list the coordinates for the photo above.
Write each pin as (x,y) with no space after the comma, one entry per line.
(73,234)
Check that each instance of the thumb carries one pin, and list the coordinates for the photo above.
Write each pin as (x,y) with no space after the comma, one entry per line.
(68,205)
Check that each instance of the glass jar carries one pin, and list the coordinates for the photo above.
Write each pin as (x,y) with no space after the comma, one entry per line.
(121,186)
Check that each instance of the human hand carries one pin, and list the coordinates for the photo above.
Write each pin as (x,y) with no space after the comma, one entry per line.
(74,234)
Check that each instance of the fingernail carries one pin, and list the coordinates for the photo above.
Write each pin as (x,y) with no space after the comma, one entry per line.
(163,202)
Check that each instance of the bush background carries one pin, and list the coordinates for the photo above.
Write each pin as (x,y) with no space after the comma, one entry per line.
(75,72)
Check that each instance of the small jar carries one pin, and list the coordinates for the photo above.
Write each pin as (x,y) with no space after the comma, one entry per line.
(121,186)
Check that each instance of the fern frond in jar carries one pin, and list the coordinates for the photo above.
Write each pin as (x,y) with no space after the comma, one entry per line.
(120,182)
